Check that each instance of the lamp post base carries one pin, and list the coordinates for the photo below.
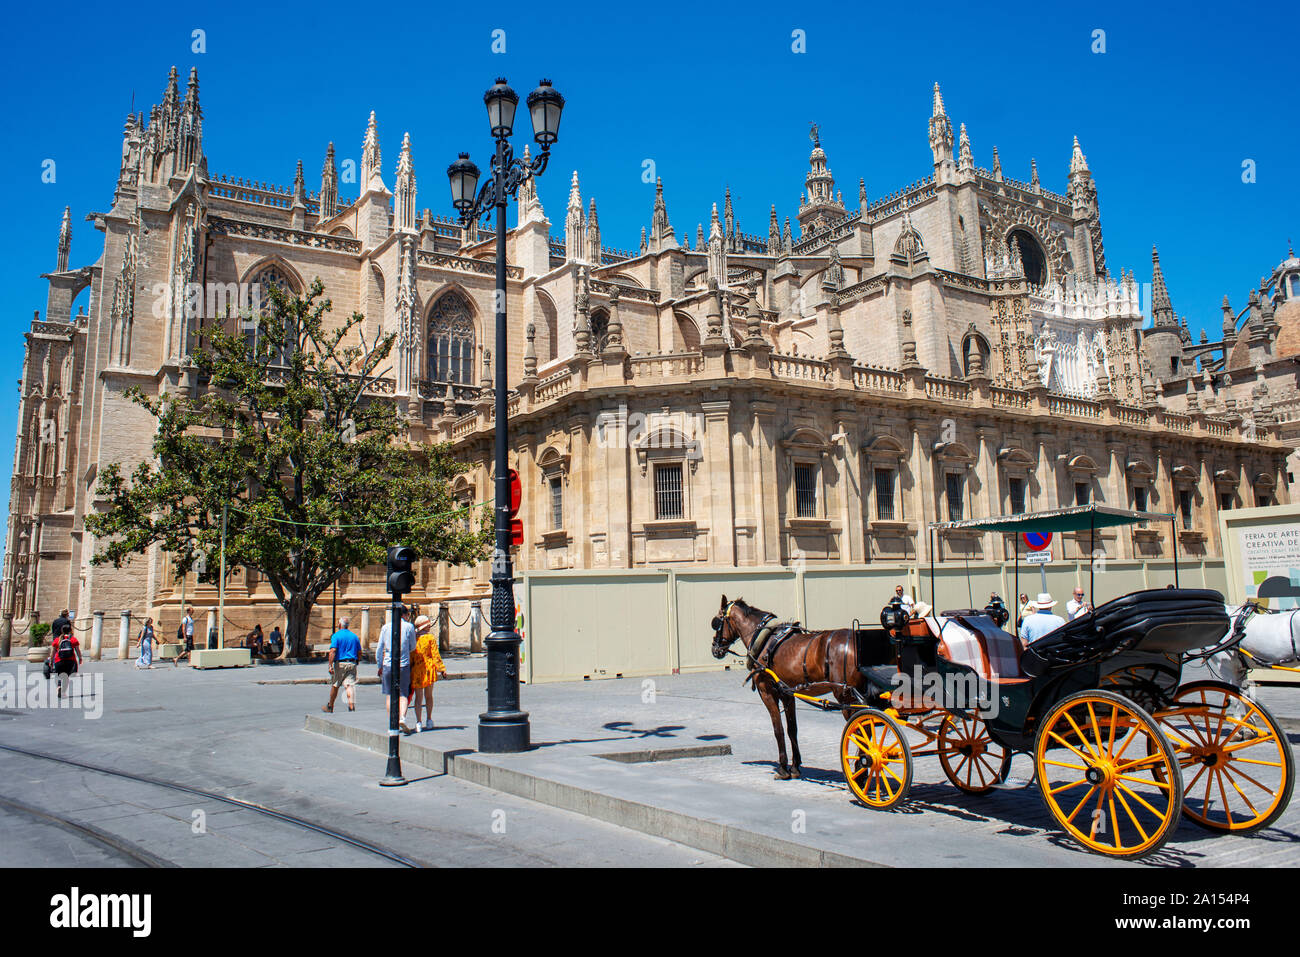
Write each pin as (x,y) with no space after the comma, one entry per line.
(504,732)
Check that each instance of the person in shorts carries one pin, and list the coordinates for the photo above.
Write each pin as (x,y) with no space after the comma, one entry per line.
(405,646)
(345,654)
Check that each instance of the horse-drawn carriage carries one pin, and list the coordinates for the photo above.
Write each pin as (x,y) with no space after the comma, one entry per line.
(1121,747)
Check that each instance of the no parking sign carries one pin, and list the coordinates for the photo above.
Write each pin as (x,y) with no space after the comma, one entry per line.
(1036,541)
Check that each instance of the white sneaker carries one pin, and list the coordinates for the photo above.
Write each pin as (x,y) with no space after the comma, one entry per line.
(428,725)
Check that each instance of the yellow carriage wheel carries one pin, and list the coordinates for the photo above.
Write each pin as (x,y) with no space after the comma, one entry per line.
(1106,773)
(876,759)
(1238,771)
(973,761)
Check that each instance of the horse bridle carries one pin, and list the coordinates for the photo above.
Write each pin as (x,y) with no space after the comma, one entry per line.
(720,621)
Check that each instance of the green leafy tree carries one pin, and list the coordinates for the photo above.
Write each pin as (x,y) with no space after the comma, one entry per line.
(294,435)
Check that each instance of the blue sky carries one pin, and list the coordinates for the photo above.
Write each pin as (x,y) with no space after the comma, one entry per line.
(714,95)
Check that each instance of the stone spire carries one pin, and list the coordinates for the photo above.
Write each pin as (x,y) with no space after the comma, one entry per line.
(581,321)
(370,157)
(713,310)
(575,226)
(190,127)
(645,246)
(965,162)
(910,360)
(404,200)
(593,234)
(1229,321)
(329,186)
(787,238)
(1034,184)
(1162,310)
(773,234)
(530,207)
(1083,194)
(299,186)
(699,237)
(997,165)
(1078,162)
(717,251)
(614,331)
(449,402)
(661,231)
(862,194)
(729,222)
(940,131)
(530,351)
(65,240)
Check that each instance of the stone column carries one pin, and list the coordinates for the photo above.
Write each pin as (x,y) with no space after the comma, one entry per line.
(97,637)
(124,637)
(850,478)
(721,506)
(1119,497)
(365,628)
(6,635)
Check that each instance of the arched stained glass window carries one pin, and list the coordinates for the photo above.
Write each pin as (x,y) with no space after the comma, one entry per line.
(451,340)
(260,295)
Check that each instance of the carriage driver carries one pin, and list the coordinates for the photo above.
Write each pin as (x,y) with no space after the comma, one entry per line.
(904,599)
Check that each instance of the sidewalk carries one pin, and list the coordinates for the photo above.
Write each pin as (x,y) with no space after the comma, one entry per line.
(690,758)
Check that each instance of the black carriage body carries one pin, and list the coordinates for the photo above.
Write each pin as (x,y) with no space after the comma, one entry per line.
(1133,645)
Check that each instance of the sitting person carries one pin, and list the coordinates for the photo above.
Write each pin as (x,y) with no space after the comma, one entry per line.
(274,643)
(255,640)
(1039,621)
(997,610)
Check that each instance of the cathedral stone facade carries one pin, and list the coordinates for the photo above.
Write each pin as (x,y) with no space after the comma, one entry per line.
(956,348)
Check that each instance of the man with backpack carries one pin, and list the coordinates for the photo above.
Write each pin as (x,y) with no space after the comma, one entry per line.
(65,656)
(185,635)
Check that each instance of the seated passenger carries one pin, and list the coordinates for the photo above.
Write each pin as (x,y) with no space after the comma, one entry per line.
(1039,621)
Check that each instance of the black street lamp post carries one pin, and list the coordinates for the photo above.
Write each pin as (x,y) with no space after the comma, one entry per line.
(504,728)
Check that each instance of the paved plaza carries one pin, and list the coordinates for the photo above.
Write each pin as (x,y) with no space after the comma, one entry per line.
(664,771)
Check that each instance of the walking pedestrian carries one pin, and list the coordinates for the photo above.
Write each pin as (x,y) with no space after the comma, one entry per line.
(426,668)
(383,652)
(146,639)
(185,635)
(65,656)
(57,625)
(345,653)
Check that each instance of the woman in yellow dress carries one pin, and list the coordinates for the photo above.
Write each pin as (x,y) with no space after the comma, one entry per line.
(426,668)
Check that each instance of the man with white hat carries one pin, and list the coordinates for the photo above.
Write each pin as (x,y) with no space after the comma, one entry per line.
(1040,621)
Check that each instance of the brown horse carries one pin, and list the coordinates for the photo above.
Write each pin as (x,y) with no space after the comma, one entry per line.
(811,662)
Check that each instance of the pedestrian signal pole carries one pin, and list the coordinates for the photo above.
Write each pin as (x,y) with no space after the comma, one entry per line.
(400,581)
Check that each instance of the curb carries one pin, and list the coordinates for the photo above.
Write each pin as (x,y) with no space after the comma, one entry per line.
(368,680)
(740,844)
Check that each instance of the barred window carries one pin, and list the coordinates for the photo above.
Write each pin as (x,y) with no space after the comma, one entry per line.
(1016,492)
(805,490)
(885,495)
(1140,498)
(1185,506)
(1082,493)
(668,491)
(451,340)
(953,485)
(557,503)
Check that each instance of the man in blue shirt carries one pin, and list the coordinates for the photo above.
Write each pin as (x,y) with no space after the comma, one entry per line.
(405,645)
(345,653)
(1040,621)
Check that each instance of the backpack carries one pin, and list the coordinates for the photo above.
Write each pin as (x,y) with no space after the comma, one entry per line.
(65,649)
(180,633)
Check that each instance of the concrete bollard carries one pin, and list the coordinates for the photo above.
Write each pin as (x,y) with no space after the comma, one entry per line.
(212,624)
(97,637)
(365,629)
(476,627)
(6,635)
(124,637)
(444,628)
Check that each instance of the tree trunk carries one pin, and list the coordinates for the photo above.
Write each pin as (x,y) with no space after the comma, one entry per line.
(295,630)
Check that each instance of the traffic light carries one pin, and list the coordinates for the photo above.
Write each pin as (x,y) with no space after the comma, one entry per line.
(516,497)
(400,577)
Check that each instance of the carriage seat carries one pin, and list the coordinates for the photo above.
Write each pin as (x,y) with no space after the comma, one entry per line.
(975,641)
